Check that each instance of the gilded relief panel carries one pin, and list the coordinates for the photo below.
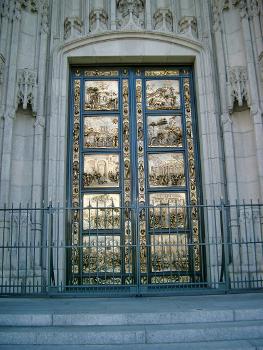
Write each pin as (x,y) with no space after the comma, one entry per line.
(101,254)
(162,94)
(101,170)
(101,132)
(165,131)
(167,210)
(166,169)
(169,253)
(101,211)
(101,95)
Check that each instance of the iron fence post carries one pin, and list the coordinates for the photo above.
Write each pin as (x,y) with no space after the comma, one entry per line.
(225,245)
(50,270)
(137,247)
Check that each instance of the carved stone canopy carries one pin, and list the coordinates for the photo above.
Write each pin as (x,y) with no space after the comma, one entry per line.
(127,6)
(98,20)
(26,88)
(131,14)
(163,20)
(238,87)
(246,8)
(30,5)
(188,26)
(72,27)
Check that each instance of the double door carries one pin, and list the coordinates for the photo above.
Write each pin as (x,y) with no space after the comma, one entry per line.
(133,177)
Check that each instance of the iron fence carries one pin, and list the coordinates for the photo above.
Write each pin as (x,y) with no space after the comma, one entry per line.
(137,250)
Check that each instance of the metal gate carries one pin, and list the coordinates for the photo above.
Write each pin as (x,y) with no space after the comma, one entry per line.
(133,178)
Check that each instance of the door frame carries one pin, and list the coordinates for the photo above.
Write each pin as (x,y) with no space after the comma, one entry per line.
(195,139)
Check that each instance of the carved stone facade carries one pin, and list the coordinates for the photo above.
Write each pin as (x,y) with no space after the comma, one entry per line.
(40,40)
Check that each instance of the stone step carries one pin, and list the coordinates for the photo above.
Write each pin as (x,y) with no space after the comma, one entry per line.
(129,318)
(213,345)
(147,334)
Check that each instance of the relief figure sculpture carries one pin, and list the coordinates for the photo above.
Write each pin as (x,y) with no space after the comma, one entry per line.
(101,132)
(101,170)
(101,211)
(101,95)
(162,94)
(164,131)
(166,169)
(167,210)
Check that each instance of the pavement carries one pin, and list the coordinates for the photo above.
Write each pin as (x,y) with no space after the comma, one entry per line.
(131,305)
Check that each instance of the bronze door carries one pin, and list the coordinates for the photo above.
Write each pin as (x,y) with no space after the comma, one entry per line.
(133,178)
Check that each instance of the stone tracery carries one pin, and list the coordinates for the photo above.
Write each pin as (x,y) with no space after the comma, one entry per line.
(26,88)
(238,86)
(163,20)
(98,20)
(131,14)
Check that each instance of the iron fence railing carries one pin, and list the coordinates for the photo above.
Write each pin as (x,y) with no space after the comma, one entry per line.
(137,250)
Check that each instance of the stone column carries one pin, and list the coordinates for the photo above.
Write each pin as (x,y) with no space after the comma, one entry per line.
(163,17)
(2,75)
(255,110)
(9,114)
(255,12)
(4,27)
(175,11)
(148,14)
(226,122)
(113,15)
(186,7)
(5,36)
(85,8)
(39,128)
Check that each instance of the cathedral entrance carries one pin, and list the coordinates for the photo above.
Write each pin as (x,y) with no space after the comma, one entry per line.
(133,178)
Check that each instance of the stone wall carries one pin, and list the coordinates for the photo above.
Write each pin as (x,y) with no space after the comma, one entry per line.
(36,34)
